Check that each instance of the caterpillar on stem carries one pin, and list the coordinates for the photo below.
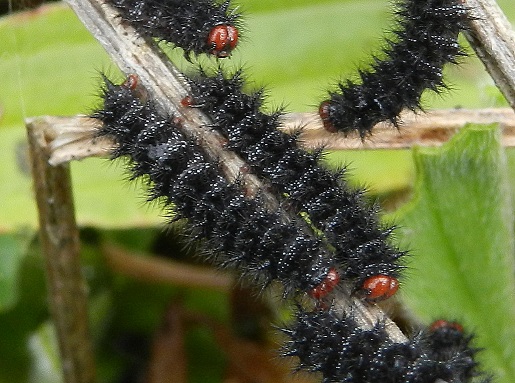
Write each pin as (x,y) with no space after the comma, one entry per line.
(197,26)
(426,39)
(214,206)
(350,225)
(260,246)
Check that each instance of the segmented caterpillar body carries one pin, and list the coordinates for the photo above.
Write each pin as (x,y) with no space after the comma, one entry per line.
(332,344)
(197,26)
(425,40)
(239,231)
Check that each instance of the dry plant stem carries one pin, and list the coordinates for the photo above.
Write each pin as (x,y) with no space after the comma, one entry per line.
(493,40)
(75,139)
(60,242)
(433,128)
(158,270)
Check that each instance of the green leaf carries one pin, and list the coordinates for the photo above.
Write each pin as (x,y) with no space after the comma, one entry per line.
(460,229)
(22,320)
(13,248)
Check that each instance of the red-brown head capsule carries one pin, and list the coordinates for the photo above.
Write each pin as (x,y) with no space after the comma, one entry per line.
(379,287)
(324,111)
(222,40)
(442,324)
(187,101)
(326,286)
(131,82)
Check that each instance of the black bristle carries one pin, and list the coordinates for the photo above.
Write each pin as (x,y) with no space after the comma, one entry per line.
(333,344)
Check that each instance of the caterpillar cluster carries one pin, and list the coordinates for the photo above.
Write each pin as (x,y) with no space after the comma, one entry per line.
(244,235)
(197,26)
(361,248)
(332,235)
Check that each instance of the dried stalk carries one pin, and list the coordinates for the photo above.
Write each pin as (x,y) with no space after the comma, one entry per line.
(493,40)
(158,270)
(60,241)
(433,128)
(75,139)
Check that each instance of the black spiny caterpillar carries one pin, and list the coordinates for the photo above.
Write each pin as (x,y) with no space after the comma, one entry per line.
(197,26)
(256,242)
(332,344)
(238,230)
(425,40)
